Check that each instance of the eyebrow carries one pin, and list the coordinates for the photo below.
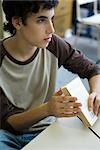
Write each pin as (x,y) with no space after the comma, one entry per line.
(41,17)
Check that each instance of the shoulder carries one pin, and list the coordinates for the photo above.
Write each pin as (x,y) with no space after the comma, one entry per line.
(60,48)
(2,51)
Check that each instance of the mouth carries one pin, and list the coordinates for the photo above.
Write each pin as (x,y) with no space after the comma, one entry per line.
(48,39)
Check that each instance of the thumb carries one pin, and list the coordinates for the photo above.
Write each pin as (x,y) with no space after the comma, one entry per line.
(58,93)
(91,100)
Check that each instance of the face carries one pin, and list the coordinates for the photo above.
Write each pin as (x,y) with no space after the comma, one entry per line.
(38,29)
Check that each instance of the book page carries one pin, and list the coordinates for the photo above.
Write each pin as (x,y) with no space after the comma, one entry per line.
(77,89)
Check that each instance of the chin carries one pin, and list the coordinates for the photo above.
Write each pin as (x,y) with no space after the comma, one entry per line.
(43,45)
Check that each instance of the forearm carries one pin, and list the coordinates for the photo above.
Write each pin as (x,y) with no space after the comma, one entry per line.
(94,97)
(56,106)
(27,119)
(94,83)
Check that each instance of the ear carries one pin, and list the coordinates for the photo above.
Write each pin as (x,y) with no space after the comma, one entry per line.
(17,22)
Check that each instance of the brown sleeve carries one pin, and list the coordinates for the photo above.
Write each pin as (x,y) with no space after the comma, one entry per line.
(7,109)
(71,59)
(2,52)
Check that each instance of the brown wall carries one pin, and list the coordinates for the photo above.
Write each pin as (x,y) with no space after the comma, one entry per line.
(63,16)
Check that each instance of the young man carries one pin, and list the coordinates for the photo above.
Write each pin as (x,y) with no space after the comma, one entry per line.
(29,60)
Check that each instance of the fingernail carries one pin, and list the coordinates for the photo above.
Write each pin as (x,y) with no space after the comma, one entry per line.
(96,113)
(90,109)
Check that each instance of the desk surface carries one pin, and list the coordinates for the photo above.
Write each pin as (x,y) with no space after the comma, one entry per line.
(66,133)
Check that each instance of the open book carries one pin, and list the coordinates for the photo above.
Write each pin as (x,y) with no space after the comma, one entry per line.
(76,88)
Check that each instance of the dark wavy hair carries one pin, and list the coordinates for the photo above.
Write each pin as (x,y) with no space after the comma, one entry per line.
(21,8)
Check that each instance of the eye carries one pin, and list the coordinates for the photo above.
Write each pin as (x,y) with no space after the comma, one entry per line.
(42,20)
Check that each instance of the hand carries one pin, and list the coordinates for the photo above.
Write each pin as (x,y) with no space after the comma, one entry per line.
(94,103)
(63,106)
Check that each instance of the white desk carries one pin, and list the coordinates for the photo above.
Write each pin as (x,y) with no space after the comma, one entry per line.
(66,134)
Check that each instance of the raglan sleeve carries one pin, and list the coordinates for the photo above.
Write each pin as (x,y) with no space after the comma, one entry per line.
(7,109)
(74,60)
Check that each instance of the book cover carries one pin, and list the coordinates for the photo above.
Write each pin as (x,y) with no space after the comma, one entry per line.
(77,89)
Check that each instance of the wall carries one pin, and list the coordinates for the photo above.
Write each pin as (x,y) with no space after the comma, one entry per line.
(63,16)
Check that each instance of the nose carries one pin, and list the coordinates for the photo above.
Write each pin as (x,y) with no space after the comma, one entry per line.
(50,28)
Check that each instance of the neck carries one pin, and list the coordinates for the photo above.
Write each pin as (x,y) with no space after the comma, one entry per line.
(19,49)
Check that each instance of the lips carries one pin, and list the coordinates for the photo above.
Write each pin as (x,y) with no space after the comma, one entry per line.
(48,39)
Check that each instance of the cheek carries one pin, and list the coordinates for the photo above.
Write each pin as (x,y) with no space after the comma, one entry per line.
(34,33)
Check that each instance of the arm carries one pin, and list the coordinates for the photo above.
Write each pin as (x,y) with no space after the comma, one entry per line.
(94,98)
(16,119)
(71,59)
(56,106)
(76,62)
(27,118)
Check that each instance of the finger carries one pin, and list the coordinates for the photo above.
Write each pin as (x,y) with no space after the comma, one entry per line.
(99,111)
(91,101)
(70,99)
(66,99)
(97,105)
(73,104)
(69,111)
(69,115)
(58,93)
(72,110)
